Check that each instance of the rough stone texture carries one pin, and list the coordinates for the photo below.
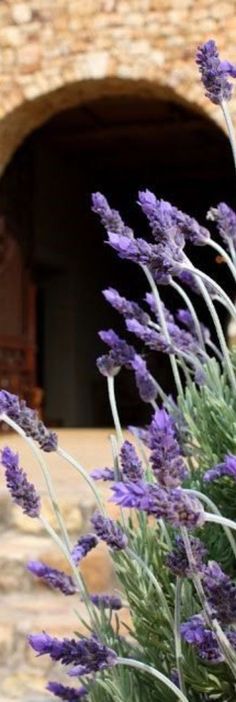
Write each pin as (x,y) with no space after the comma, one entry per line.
(28,605)
(59,54)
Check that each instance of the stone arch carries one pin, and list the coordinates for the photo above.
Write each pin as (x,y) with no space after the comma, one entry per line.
(31,114)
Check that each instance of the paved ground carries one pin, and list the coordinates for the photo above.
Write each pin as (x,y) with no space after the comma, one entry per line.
(27,606)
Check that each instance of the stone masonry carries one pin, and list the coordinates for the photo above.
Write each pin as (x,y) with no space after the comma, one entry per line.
(59,53)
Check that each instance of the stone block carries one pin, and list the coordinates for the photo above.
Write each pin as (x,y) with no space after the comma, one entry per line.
(21,12)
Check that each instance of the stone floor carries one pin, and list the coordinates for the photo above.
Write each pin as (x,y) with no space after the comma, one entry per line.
(26,605)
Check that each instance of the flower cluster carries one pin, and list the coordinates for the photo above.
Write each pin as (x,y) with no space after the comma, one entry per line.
(55,578)
(22,491)
(87,655)
(27,419)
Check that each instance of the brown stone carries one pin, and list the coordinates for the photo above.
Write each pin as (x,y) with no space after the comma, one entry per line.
(29,57)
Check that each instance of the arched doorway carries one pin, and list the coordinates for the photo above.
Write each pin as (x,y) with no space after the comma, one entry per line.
(116,143)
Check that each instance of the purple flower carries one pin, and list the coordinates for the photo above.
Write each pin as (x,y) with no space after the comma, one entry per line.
(28,420)
(83,546)
(225,219)
(89,655)
(191,230)
(145,382)
(220,592)
(188,278)
(177,560)
(162,218)
(110,219)
(107,364)
(131,465)
(122,353)
(193,631)
(56,578)
(163,260)
(68,694)
(214,73)
(125,307)
(149,298)
(174,505)
(109,531)
(227,468)
(152,338)
(103,474)
(106,601)
(22,491)
(166,460)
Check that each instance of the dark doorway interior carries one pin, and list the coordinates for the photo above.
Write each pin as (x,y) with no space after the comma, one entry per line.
(115,145)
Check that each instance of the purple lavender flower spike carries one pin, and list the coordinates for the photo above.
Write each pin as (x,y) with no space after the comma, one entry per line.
(89,655)
(27,419)
(106,601)
(107,530)
(152,338)
(214,73)
(149,298)
(174,504)
(167,463)
(227,468)
(162,218)
(55,578)
(221,593)
(68,694)
(107,365)
(225,219)
(177,560)
(110,218)
(122,353)
(103,474)
(193,631)
(22,491)
(145,383)
(83,546)
(126,307)
(131,465)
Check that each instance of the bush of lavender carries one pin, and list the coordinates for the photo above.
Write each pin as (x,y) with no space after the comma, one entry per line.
(173,546)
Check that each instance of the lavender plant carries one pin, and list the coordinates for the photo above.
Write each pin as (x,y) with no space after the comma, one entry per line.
(173,547)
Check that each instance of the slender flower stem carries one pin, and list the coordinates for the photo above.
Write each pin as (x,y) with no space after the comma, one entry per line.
(61,452)
(178,647)
(218,519)
(38,455)
(224,254)
(219,331)
(232,251)
(114,410)
(230,128)
(204,498)
(222,295)
(191,309)
(215,350)
(154,581)
(132,663)
(77,576)
(164,327)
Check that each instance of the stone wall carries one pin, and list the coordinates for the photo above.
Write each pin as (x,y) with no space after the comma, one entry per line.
(58,53)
